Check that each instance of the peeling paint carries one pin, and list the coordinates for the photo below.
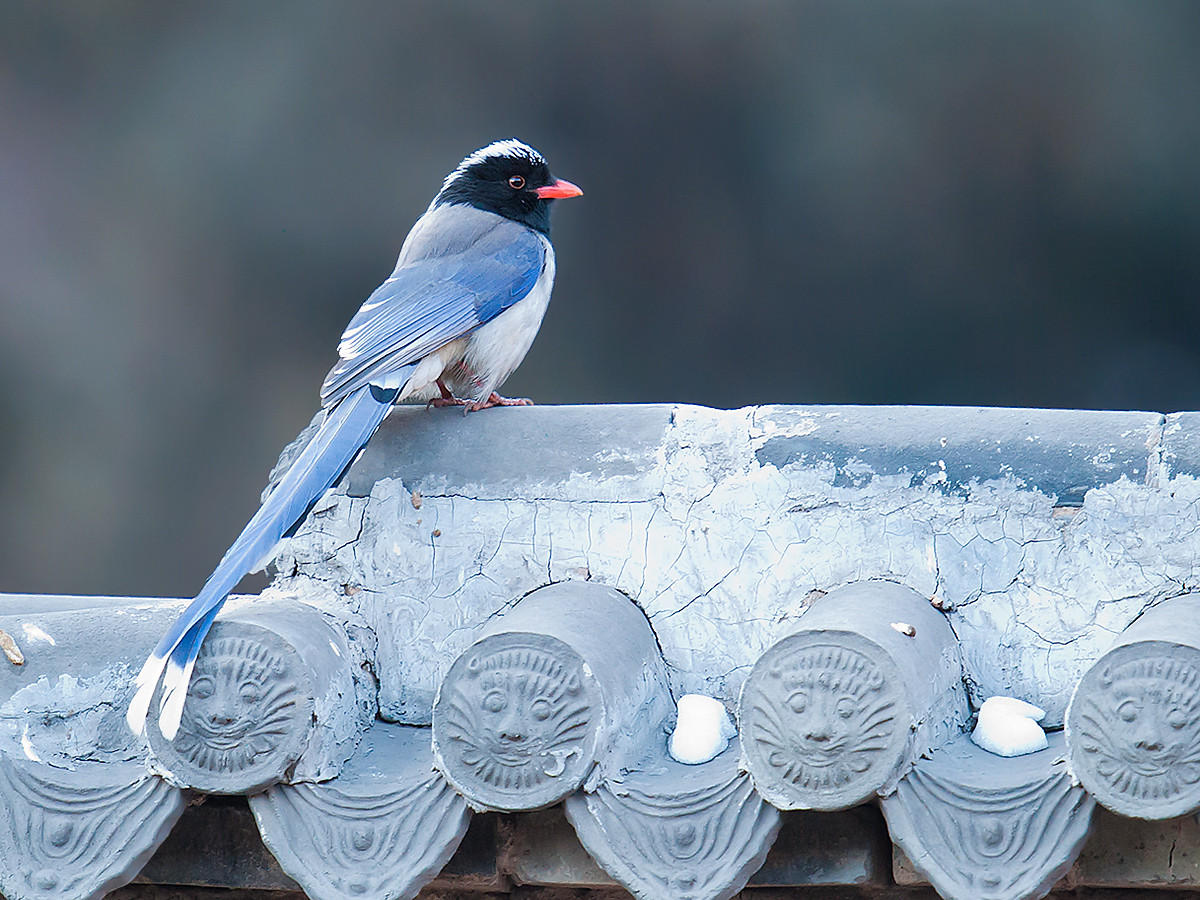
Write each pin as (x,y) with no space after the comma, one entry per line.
(35,633)
(69,720)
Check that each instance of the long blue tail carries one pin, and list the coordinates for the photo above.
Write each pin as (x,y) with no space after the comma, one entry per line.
(346,428)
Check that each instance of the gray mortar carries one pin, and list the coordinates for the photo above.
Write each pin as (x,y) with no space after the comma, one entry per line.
(66,704)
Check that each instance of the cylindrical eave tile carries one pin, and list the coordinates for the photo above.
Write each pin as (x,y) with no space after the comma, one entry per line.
(835,713)
(1133,726)
(567,679)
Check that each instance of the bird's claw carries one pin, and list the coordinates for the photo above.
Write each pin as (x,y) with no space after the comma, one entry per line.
(470,406)
(495,399)
(441,402)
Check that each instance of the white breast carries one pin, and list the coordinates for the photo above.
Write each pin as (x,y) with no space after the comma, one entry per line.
(496,349)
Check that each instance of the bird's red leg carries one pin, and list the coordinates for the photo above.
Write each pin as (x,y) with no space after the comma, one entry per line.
(447,398)
(493,399)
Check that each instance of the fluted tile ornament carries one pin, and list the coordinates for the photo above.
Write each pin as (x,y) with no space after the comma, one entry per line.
(381,830)
(836,712)
(986,827)
(561,687)
(669,831)
(273,697)
(76,834)
(247,714)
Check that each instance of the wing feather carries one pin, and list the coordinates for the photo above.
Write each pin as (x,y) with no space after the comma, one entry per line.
(434,296)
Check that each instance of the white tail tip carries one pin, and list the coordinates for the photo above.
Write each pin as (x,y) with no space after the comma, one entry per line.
(175,690)
(139,706)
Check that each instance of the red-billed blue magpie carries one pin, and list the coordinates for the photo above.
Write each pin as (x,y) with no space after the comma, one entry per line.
(452,322)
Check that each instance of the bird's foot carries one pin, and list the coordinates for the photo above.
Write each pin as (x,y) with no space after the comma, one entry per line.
(440,402)
(447,398)
(495,399)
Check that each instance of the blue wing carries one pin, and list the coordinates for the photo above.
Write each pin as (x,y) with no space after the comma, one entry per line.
(460,268)
(432,300)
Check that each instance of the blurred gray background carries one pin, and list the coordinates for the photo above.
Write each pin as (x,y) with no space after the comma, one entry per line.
(842,202)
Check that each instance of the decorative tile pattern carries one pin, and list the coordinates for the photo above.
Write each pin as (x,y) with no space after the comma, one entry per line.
(985,827)
(515,722)
(78,834)
(1135,730)
(823,723)
(567,685)
(247,716)
(838,711)
(676,832)
(381,830)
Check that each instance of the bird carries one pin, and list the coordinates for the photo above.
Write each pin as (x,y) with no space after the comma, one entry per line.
(452,322)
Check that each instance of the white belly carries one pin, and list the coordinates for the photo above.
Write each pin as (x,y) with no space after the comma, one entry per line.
(496,349)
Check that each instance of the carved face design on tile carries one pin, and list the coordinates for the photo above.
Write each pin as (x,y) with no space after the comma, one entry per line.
(240,704)
(819,720)
(515,724)
(1139,728)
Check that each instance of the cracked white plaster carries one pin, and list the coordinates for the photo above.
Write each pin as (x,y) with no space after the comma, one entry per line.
(69,720)
(723,552)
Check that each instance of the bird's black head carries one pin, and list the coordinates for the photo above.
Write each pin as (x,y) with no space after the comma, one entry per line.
(508,178)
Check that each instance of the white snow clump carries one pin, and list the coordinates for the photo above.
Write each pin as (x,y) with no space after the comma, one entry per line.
(1009,727)
(702,732)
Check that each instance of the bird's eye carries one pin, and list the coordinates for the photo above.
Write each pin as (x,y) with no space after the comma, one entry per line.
(516,182)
